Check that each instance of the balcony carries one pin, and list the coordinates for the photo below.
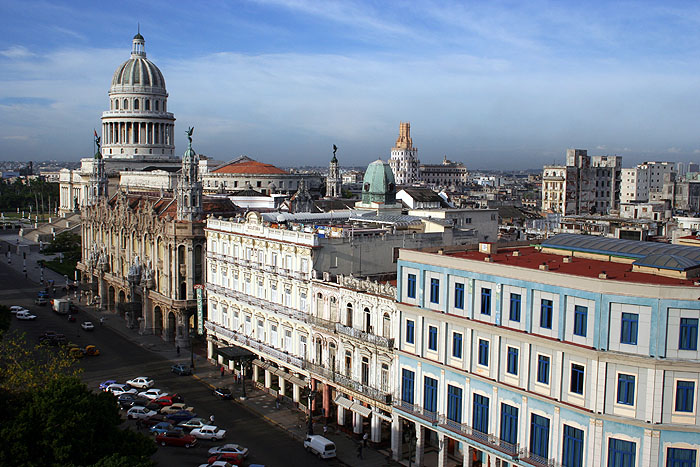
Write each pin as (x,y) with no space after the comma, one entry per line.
(322,323)
(350,384)
(379,341)
(416,410)
(259,302)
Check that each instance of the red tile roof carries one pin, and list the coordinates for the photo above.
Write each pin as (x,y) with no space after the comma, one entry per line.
(249,167)
(531,258)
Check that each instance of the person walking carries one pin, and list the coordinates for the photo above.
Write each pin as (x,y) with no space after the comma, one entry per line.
(365,437)
(211,419)
(277,402)
(359,451)
(325,430)
(222,371)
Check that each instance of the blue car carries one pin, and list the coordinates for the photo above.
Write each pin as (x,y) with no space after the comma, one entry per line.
(105,384)
(163,427)
(181,416)
(180,369)
(43,294)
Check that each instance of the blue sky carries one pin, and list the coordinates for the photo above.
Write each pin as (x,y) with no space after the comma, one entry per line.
(493,84)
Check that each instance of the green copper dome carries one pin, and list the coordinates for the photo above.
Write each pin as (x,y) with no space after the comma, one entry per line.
(379,185)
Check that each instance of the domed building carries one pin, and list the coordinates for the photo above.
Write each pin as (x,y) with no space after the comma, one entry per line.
(137,131)
(379,188)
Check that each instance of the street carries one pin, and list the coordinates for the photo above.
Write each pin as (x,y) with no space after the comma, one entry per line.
(122,359)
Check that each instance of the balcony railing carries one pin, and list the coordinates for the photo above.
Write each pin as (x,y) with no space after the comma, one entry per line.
(349,383)
(259,302)
(365,336)
(416,410)
(534,459)
(324,323)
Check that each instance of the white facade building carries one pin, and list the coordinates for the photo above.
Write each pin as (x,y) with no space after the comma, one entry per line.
(404,157)
(645,181)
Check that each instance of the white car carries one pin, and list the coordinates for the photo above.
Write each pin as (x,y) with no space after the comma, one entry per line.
(25,315)
(208,432)
(217,464)
(87,325)
(16,308)
(152,393)
(140,412)
(119,389)
(141,382)
(226,448)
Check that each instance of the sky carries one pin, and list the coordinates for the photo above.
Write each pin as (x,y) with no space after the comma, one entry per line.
(494,84)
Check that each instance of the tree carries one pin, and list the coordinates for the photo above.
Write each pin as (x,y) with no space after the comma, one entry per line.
(5,318)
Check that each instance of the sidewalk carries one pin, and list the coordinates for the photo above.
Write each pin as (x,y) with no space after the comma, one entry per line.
(259,402)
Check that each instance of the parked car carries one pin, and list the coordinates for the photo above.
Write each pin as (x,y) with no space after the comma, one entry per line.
(229,448)
(168,399)
(163,427)
(14,309)
(141,382)
(75,352)
(322,447)
(229,457)
(193,423)
(43,294)
(152,393)
(119,389)
(209,432)
(41,301)
(107,383)
(91,350)
(180,369)
(219,463)
(176,438)
(88,326)
(25,315)
(140,412)
(127,400)
(176,407)
(224,393)
(181,416)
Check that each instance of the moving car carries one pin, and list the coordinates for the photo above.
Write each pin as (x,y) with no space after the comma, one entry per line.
(152,393)
(25,315)
(16,309)
(224,393)
(176,407)
(41,301)
(140,412)
(180,369)
(193,423)
(141,382)
(176,438)
(322,447)
(119,389)
(220,463)
(229,448)
(163,427)
(181,416)
(209,432)
(88,326)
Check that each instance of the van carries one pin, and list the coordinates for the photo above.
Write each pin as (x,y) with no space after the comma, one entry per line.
(319,445)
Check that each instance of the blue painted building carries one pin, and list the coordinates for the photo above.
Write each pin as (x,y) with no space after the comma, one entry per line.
(580,351)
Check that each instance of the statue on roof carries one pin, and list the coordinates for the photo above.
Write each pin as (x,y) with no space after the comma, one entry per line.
(189,132)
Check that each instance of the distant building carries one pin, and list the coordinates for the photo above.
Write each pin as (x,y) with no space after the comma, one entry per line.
(645,181)
(404,157)
(448,175)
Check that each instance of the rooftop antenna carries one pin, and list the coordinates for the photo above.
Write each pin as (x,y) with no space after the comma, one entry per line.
(138,27)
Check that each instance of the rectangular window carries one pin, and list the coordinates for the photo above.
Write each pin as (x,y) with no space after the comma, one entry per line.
(430,394)
(515,307)
(480,419)
(580,320)
(546,314)
(621,453)
(410,331)
(685,396)
(456,345)
(486,302)
(576,385)
(572,454)
(543,369)
(407,378)
(688,339)
(411,286)
(434,290)
(628,331)
(625,389)
(677,457)
(483,352)
(539,436)
(454,404)
(459,296)
(512,361)
(432,338)
(509,423)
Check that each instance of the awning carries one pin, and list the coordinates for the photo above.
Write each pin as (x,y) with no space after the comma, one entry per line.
(384,417)
(361,409)
(298,381)
(259,363)
(234,352)
(343,402)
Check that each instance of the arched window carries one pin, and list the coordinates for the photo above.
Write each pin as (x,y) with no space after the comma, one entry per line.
(136,104)
(368,320)
(126,104)
(148,104)
(116,104)
(157,105)
(348,315)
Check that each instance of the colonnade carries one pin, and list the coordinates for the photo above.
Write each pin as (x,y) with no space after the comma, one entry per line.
(137,133)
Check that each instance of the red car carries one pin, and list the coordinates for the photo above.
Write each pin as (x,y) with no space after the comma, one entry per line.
(176,438)
(230,457)
(170,399)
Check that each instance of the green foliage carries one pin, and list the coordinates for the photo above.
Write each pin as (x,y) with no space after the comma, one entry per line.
(19,194)
(5,318)
(69,244)
(119,460)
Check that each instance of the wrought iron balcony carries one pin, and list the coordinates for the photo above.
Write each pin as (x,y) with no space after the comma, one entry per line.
(349,383)
(380,341)
(259,302)
(323,323)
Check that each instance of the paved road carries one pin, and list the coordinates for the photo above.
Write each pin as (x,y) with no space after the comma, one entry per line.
(122,359)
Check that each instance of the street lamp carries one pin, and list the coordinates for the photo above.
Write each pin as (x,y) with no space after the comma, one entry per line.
(311,395)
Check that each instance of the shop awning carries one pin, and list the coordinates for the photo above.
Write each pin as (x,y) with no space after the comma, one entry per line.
(343,402)
(361,409)
(234,352)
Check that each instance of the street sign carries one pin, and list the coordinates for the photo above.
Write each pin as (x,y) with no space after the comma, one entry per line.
(199,292)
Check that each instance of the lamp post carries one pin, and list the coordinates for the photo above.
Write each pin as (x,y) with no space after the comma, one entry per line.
(411,434)
(244,362)
(311,395)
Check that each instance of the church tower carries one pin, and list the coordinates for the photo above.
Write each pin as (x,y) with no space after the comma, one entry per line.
(97,185)
(189,187)
(334,183)
(404,157)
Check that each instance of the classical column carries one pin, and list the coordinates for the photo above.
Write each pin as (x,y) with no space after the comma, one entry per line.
(268,379)
(256,373)
(442,452)
(356,423)
(326,400)
(210,350)
(420,444)
(147,312)
(375,428)
(283,389)
(396,438)
(340,417)
(102,289)
(295,393)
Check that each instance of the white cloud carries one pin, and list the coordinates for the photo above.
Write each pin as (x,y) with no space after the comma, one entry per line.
(16,52)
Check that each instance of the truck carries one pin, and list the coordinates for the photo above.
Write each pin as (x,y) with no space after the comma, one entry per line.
(61,305)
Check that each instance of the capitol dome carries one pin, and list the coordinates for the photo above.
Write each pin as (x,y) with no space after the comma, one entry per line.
(138,71)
